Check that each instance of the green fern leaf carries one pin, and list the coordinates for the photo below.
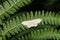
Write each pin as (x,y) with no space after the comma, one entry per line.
(46,17)
(14,25)
(38,34)
(11,6)
(41,34)
(11,28)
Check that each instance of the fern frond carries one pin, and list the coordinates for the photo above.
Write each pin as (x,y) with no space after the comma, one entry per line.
(28,31)
(11,28)
(38,34)
(11,6)
(46,17)
(14,25)
(42,34)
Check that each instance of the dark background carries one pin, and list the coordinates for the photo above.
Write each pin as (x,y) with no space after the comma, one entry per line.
(41,5)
